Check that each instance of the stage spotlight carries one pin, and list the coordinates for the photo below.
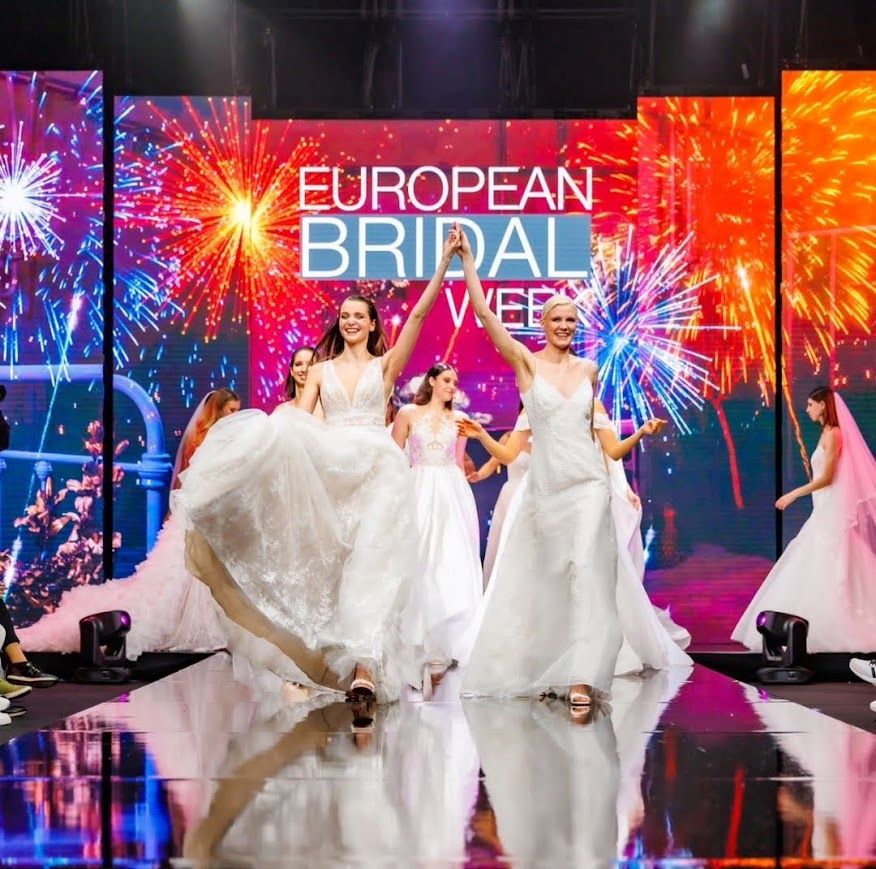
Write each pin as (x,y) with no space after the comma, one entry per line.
(102,647)
(784,648)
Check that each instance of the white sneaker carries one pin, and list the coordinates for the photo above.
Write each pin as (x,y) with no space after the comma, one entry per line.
(873,706)
(4,719)
(4,704)
(864,669)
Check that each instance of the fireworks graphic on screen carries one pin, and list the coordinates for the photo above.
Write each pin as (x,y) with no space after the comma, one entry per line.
(710,168)
(51,197)
(633,319)
(215,197)
(28,197)
(828,167)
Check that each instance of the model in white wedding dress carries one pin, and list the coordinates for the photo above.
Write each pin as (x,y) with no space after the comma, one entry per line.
(827,573)
(170,610)
(322,608)
(652,640)
(551,624)
(448,584)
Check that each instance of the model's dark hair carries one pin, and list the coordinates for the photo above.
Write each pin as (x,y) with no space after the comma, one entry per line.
(332,342)
(825,394)
(291,387)
(424,393)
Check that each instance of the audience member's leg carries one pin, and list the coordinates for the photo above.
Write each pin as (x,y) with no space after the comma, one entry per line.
(19,670)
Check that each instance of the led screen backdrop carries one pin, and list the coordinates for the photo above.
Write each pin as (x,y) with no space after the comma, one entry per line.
(828,257)
(677,307)
(51,298)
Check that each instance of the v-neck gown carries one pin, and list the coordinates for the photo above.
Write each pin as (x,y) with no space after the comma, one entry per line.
(552,620)
(311,521)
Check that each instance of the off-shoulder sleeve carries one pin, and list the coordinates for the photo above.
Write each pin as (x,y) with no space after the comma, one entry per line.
(601,420)
(522,423)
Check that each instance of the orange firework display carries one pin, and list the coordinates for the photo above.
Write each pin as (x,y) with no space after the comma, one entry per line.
(706,167)
(829,247)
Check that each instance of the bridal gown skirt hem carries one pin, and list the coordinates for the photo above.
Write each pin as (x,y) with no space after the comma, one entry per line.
(447,589)
(552,621)
(298,527)
(652,640)
(827,575)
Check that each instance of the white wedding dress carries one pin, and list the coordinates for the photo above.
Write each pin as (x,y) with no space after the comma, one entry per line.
(517,471)
(652,640)
(827,574)
(449,582)
(170,610)
(552,620)
(309,530)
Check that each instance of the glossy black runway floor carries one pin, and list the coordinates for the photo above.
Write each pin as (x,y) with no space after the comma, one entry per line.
(686,768)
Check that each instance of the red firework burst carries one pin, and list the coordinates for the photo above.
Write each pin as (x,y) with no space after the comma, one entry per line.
(219,201)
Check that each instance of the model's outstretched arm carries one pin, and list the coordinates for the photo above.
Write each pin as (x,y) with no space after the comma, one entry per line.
(517,355)
(832,440)
(616,474)
(618,449)
(503,452)
(490,467)
(397,357)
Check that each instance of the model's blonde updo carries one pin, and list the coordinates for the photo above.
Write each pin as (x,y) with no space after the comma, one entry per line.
(555,302)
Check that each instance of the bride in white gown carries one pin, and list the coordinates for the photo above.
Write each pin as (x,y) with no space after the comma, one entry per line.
(170,610)
(552,623)
(449,582)
(322,608)
(651,639)
(827,573)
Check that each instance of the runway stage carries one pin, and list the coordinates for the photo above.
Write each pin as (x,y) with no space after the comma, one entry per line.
(687,768)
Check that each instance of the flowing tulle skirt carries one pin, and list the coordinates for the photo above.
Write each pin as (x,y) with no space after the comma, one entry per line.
(827,574)
(447,588)
(303,532)
(170,610)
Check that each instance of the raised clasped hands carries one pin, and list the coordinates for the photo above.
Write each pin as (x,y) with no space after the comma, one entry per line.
(464,244)
(452,243)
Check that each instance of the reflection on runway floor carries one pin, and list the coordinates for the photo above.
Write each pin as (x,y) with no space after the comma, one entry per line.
(684,767)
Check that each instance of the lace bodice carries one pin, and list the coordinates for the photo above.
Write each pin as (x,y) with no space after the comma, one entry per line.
(563,451)
(368,407)
(432,440)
